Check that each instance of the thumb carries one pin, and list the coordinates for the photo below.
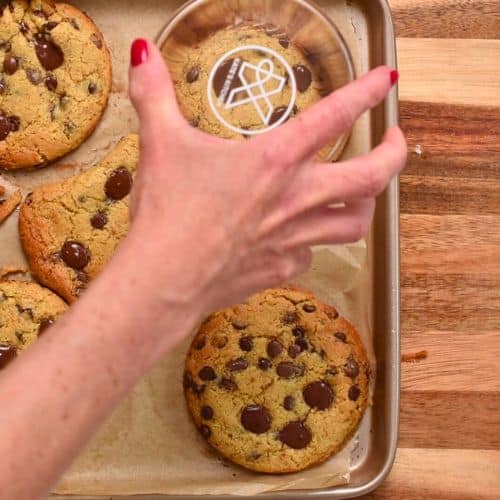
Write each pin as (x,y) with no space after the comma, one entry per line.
(152,91)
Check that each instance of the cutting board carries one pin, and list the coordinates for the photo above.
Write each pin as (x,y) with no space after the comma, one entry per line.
(449,58)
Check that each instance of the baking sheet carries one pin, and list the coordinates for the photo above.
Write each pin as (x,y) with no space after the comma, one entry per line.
(149,445)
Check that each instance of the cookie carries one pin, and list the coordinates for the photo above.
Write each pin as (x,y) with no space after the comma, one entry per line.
(277,384)
(8,203)
(69,230)
(55,80)
(26,311)
(207,82)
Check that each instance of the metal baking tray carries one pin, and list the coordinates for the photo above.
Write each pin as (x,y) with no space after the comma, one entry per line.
(375,454)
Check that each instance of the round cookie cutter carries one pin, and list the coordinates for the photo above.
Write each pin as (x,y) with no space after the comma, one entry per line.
(301,20)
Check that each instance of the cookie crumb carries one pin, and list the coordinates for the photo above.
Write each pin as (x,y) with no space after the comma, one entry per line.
(414,357)
(8,205)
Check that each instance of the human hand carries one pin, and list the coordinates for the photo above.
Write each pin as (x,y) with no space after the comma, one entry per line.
(229,218)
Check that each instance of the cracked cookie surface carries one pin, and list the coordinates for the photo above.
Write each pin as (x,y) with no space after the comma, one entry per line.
(55,80)
(70,229)
(279,383)
(26,311)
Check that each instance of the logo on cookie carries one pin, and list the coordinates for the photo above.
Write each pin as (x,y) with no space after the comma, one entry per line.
(252,89)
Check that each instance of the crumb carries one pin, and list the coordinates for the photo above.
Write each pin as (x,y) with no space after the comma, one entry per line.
(415,357)
(8,205)
(418,150)
(2,190)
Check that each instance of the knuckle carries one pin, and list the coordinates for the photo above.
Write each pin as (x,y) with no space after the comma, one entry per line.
(375,180)
(359,229)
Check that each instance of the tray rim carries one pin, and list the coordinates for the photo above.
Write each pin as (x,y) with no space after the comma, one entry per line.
(393,364)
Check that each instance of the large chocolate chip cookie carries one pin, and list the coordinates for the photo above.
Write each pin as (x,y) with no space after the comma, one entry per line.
(70,229)
(55,79)
(279,383)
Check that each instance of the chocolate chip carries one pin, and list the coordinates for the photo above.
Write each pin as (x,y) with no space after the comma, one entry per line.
(277,114)
(119,184)
(295,109)
(34,76)
(92,88)
(49,54)
(51,83)
(303,77)
(74,23)
(246,344)
(222,74)
(14,123)
(200,343)
(333,314)
(24,28)
(205,431)
(354,393)
(207,373)
(75,255)
(82,277)
(97,40)
(318,395)
(294,351)
(264,364)
(296,435)
(351,368)
(49,26)
(198,389)
(274,348)
(309,308)
(99,220)
(289,403)
(187,381)
(40,13)
(219,341)
(299,331)
(227,384)
(303,345)
(239,325)
(237,365)
(332,371)
(6,46)
(290,317)
(10,64)
(288,370)
(255,455)
(193,74)
(341,336)
(256,419)
(207,413)
(3,86)
(7,354)
(284,42)
(4,127)
(44,324)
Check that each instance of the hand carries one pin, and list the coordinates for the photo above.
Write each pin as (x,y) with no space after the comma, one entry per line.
(229,218)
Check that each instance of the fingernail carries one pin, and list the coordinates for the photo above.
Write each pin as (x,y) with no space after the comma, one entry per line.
(139,52)
(394,77)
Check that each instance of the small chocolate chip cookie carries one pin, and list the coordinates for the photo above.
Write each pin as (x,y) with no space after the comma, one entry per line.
(279,383)
(26,311)
(69,230)
(55,80)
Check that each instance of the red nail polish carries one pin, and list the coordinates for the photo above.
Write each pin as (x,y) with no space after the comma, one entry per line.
(139,52)
(394,77)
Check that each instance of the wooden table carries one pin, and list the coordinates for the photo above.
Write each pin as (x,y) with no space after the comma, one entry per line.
(449,56)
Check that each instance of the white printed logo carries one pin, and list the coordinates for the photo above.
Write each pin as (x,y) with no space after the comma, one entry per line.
(246,84)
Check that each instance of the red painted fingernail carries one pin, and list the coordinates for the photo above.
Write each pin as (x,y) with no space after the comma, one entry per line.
(394,77)
(139,52)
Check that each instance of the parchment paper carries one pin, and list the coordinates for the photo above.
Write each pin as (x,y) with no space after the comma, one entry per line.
(149,445)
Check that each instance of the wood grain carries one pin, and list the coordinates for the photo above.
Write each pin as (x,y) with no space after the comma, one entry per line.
(427,416)
(451,474)
(450,250)
(447,18)
(449,71)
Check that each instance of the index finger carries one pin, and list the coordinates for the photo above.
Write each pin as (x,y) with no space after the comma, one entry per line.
(331,117)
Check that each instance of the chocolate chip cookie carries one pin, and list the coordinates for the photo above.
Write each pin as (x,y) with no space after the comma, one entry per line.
(55,80)
(207,82)
(26,311)
(70,229)
(279,383)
